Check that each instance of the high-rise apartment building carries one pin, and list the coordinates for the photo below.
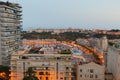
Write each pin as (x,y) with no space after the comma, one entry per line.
(10,30)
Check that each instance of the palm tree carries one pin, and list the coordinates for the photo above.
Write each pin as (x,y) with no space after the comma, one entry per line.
(30,74)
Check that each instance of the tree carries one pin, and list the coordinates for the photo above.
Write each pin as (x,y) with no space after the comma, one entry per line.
(30,74)
(4,72)
(66,52)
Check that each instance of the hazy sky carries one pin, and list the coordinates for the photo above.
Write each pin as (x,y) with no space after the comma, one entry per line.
(86,14)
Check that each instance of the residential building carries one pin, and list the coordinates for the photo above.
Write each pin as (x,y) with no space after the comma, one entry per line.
(10,30)
(46,66)
(90,71)
(113,61)
(104,43)
(108,76)
(40,42)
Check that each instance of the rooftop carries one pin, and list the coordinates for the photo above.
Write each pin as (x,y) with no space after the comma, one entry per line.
(10,4)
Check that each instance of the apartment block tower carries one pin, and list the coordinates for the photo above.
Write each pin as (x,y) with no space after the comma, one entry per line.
(10,30)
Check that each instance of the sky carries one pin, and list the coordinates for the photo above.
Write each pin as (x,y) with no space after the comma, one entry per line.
(82,14)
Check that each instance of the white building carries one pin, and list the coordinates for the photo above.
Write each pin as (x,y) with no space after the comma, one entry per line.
(113,61)
(104,43)
(10,30)
(90,71)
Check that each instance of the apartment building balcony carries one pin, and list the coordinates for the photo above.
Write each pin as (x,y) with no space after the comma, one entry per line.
(17,24)
(68,75)
(19,18)
(7,30)
(67,78)
(7,21)
(2,7)
(13,70)
(4,39)
(18,21)
(3,28)
(45,73)
(4,45)
(9,17)
(8,12)
(19,14)
(7,24)
(7,36)
(4,48)
(44,69)
(18,36)
(10,21)
(68,70)
(20,10)
(19,29)
(71,66)
(45,66)
(4,53)
(12,65)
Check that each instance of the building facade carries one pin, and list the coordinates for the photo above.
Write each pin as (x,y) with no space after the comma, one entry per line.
(46,66)
(10,30)
(113,61)
(40,42)
(90,71)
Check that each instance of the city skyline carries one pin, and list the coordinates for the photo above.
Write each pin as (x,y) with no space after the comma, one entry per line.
(66,46)
(83,14)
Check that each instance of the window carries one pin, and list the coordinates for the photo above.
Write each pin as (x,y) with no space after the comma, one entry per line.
(61,78)
(47,73)
(91,70)
(66,78)
(58,58)
(81,75)
(80,70)
(61,73)
(91,76)
(40,78)
(67,73)
(41,73)
(67,67)
(46,78)
(96,76)
(46,68)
